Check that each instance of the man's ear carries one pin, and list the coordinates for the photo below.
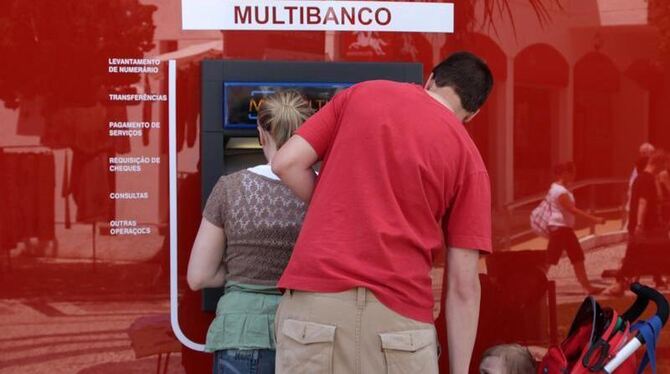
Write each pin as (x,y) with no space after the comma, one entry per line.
(470,116)
(429,82)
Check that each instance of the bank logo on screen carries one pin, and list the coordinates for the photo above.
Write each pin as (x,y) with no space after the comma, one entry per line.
(241,100)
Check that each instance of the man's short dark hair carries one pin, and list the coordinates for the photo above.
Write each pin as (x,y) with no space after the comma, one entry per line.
(468,75)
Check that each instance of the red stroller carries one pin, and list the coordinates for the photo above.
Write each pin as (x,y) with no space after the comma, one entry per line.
(601,341)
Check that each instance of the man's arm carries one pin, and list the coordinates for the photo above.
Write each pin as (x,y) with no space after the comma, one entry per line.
(294,161)
(462,306)
(293,164)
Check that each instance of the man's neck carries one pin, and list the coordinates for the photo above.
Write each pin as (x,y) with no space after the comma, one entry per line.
(449,99)
(441,100)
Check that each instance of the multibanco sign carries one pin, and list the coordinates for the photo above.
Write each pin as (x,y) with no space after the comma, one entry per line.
(317,15)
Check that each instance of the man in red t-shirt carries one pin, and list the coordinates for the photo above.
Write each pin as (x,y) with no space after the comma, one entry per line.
(400,179)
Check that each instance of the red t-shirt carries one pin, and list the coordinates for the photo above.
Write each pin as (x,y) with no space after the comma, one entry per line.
(399,170)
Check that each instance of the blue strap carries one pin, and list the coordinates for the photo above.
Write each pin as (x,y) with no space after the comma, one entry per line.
(650,330)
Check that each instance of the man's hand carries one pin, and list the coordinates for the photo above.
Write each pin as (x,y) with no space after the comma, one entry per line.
(462,306)
(293,164)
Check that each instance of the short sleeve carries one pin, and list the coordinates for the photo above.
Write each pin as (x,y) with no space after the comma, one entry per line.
(216,204)
(319,130)
(559,191)
(649,189)
(467,223)
(643,187)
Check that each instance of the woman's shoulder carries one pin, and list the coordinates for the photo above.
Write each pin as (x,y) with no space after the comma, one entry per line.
(228,181)
(557,189)
(558,186)
(251,181)
(263,170)
(245,178)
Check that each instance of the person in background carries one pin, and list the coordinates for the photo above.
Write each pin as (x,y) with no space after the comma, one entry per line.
(646,149)
(400,180)
(507,359)
(249,226)
(663,180)
(645,225)
(561,225)
(644,208)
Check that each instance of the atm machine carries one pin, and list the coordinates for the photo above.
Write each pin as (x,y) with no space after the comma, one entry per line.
(231,91)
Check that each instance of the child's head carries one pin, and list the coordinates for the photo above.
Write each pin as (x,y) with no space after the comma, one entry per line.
(507,359)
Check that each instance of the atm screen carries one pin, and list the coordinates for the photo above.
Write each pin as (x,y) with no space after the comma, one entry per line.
(241,100)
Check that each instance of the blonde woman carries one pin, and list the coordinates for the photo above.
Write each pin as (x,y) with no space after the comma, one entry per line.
(250,223)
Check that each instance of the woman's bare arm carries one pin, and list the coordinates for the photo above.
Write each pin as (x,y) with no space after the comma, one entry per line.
(567,204)
(205,267)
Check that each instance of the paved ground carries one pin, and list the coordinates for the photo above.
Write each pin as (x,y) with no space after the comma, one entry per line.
(568,290)
(64,316)
(597,260)
(74,337)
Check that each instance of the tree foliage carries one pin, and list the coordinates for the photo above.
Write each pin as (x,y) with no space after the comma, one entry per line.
(659,16)
(59,49)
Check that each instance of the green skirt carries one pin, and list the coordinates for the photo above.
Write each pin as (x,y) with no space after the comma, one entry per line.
(245,317)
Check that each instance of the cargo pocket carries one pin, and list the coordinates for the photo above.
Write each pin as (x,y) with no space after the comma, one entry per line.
(409,352)
(305,347)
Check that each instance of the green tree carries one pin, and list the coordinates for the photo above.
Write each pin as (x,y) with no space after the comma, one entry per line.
(659,16)
(465,12)
(59,49)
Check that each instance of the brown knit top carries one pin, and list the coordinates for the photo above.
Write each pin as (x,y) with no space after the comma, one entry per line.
(261,219)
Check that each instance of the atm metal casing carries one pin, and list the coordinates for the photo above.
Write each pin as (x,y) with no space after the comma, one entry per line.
(213,135)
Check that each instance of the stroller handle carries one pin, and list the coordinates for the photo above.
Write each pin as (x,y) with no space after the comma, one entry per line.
(644,295)
(639,306)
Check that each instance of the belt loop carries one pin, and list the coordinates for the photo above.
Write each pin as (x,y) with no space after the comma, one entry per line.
(360,296)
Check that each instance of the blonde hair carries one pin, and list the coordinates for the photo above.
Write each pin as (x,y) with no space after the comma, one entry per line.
(658,159)
(646,149)
(517,359)
(281,113)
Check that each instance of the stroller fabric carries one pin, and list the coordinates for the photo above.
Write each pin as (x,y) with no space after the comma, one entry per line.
(650,331)
(594,338)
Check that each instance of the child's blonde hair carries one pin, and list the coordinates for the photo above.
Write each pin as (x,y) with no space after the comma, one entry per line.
(281,113)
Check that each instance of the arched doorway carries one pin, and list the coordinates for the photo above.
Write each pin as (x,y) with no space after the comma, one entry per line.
(541,75)
(650,76)
(596,82)
(483,127)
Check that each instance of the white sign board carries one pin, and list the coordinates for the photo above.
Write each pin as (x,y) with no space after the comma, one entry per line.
(317,15)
